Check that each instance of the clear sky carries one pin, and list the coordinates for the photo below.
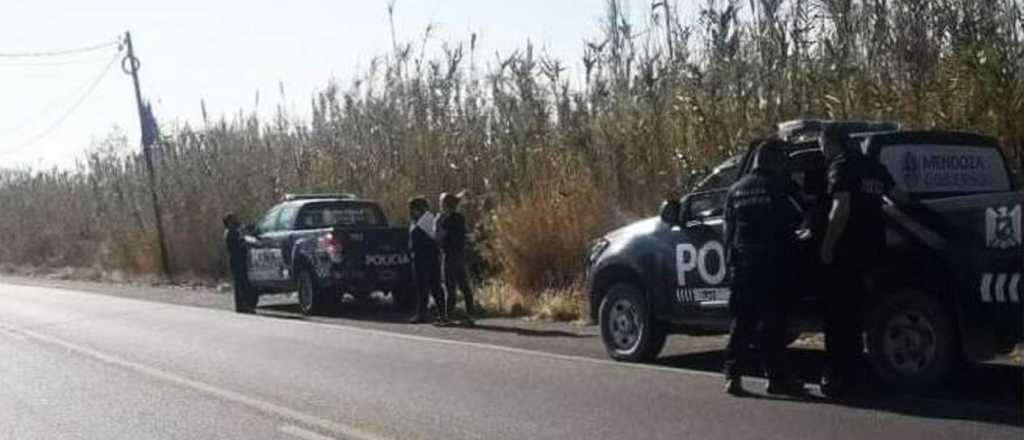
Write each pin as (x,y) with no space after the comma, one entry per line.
(224,52)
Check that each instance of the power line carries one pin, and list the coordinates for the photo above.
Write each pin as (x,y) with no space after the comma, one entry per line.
(52,105)
(77,62)
(64,117)
(54,53)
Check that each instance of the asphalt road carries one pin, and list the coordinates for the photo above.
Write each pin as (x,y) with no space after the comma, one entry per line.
(82,365)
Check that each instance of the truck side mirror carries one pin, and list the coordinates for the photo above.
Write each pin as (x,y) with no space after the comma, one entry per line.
(670,212)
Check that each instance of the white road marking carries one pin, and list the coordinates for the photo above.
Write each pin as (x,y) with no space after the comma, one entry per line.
(232,396)
(304,434)
(514,350)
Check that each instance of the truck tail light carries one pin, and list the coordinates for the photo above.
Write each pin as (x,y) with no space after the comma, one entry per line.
(331,245)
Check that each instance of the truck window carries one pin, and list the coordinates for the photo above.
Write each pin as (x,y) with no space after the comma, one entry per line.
(707,204)
(346,215)
(269,221)
(724,176)
(924,170)
(286,221)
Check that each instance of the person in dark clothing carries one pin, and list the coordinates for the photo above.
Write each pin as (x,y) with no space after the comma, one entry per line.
(854,236)
(762,215)
(238,255)
(426,262)
(452,236)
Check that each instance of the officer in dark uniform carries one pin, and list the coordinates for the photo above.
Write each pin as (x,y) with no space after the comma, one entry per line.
(238,255)
(854,237)
(452,237)
(426,262)
(761,218)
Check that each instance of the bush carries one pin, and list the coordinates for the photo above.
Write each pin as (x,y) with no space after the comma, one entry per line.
(540,237)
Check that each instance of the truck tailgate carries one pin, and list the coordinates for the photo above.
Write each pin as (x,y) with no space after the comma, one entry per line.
(373,255)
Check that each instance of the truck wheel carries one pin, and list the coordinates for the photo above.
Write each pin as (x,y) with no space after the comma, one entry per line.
(628,329)
(312,299)
(912,340)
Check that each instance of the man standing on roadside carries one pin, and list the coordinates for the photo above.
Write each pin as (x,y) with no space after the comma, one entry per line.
(426,262)
(855,236)
(238,256)
(452,236)
(761,218)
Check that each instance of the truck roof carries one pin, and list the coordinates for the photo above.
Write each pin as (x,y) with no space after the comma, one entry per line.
(347,196)
(308,201)
(802,130)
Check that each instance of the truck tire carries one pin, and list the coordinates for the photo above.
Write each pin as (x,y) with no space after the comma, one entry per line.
(312,299)
(628,329)
(912,340)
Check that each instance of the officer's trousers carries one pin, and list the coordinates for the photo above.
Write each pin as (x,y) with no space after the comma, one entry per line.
(428,284)
(844,342)
(245,296)
(758,305)
(456,278)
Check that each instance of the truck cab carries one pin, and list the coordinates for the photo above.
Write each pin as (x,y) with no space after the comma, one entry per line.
(947,288)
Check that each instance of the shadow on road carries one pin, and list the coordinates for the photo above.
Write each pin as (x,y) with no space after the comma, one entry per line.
(384,313)
(352,311)
(530,332)
(989,393)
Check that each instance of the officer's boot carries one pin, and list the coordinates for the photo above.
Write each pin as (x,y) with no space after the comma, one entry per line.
(734,385)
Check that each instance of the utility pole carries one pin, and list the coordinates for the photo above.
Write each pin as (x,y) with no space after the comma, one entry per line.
(132,69)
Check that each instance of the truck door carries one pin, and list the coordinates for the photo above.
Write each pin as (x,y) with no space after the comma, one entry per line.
(701,273)
(267,269)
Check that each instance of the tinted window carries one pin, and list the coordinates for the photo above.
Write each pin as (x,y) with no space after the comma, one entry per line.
(945,169)
(709,204)
(350,215)
(807,169)
(723,177)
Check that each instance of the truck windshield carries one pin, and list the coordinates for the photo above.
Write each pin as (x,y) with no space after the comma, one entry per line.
(340,214)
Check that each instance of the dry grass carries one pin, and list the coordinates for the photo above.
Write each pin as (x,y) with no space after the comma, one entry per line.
(539,238)
(555,304)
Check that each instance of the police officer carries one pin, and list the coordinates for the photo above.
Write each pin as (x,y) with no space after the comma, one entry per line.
(761,218)
(238,255)
(452,237)
(855,235)
(426,262)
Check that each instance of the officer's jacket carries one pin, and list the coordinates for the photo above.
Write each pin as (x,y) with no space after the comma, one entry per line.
(238,251)
(762,213)
(866,181)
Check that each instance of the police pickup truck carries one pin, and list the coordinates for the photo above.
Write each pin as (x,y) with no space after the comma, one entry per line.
(325,245)
(948,288)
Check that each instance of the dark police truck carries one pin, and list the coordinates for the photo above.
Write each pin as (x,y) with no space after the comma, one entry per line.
(326,245)
(948,288)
